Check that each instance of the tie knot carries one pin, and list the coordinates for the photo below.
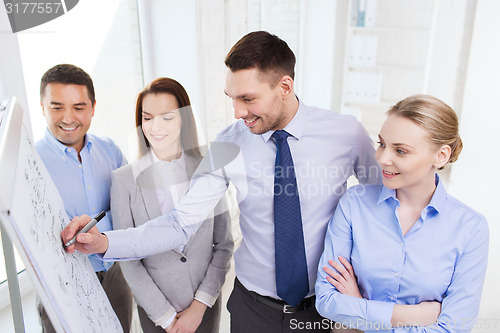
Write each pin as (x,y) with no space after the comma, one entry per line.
(280,135)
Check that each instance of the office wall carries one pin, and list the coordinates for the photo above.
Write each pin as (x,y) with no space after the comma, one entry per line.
(474,179)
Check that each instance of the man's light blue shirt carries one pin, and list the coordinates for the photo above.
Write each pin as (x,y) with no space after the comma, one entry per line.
(83,186)
(441,258)
(327,148)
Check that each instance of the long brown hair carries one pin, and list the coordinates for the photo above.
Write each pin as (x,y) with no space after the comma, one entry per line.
(189,135)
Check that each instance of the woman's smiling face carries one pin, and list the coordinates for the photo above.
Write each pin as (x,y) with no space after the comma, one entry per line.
(161,124)
(406,155)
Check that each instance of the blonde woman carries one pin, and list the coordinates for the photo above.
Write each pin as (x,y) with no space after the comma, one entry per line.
(406,254)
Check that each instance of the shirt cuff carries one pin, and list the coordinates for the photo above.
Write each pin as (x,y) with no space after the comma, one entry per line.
(201,301)
(379,314)
(165,320)
(117,243)
(205,298)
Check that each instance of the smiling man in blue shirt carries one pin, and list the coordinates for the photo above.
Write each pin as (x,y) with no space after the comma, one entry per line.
(80,165)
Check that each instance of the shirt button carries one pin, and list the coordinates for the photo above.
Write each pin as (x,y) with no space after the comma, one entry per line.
(183,259)
(396,274)
(391,298)
(93,208)
(80,166)
(88,186)
(402,244)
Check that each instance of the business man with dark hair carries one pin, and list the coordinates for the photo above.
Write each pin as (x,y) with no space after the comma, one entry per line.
(297,160)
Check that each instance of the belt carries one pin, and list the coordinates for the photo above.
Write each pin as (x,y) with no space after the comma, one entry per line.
(278,304)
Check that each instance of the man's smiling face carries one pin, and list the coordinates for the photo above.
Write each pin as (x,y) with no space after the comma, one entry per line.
(68,111)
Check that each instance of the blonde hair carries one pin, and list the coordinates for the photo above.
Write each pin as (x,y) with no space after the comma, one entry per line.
(436,117)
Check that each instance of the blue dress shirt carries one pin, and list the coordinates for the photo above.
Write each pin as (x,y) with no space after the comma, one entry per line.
(327,148)
(84,187)
(441,258)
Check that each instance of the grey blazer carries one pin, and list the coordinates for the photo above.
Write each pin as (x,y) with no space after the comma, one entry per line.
(168,282)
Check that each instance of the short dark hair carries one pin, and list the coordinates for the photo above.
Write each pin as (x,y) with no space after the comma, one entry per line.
(67,74)
(189,135)
(264,51)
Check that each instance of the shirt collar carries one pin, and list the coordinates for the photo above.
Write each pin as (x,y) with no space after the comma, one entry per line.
(437,202)
(386,193)
(295,127)
(62,149)
(439,197)
(87,143)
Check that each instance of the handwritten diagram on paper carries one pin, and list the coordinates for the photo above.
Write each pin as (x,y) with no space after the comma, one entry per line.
(68,281)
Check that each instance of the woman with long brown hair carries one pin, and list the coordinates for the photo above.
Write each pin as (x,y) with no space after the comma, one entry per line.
(178,290)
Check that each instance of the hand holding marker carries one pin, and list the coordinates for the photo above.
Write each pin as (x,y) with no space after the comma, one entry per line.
(87,227)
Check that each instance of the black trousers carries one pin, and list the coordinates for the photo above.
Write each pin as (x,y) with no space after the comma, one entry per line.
(249,315)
